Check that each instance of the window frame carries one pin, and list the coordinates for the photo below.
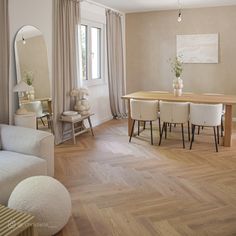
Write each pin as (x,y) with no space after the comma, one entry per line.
(86,33)
(96,81)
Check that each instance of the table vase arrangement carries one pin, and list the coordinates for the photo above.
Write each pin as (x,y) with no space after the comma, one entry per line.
(178,86)
(177,68)
(82,104)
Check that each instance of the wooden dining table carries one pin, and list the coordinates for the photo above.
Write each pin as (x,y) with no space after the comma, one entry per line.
(227,100)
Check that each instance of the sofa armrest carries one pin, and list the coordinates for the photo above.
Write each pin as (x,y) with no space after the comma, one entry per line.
(30,142)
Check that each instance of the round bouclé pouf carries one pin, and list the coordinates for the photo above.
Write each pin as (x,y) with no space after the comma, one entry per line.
(46,199)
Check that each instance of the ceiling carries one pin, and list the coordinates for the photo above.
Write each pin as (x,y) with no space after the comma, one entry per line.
(150,5)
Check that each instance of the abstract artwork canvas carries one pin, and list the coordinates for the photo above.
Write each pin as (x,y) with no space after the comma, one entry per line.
(198,48)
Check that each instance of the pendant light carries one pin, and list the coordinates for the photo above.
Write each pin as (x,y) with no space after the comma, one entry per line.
(179,19)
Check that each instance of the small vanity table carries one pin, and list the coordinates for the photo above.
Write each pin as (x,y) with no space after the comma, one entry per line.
(26,120)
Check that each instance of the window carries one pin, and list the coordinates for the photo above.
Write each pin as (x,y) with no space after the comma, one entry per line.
(96,52)
(92,42)
(84,40)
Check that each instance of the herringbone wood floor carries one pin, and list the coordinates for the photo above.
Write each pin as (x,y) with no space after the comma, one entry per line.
(137,189)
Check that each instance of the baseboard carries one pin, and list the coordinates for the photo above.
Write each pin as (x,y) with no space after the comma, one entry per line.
(99,122)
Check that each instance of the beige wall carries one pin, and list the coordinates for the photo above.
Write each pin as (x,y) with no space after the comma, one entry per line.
(151,41)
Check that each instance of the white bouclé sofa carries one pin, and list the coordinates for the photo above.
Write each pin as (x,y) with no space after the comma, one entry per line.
(24,153)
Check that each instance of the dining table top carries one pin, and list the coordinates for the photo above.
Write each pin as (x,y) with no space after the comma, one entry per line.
(209,98)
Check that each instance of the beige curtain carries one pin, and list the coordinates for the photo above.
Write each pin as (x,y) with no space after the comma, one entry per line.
(66,72)
(115,59)
(4,62)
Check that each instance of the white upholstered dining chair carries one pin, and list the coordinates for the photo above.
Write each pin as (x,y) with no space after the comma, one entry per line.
(145,111)
(206,115)
(174,113)
(223,112)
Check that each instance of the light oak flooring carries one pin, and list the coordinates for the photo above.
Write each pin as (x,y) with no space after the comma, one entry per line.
(120,188)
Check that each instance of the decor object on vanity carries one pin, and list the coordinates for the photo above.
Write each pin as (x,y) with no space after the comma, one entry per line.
(29,78)
(198,48)
(81,104)
(70,116)
(70,113)
(21,88)
(177,68)
(46,199)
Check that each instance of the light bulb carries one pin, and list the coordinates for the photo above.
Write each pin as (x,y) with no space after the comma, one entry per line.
(179,17)
(23,40)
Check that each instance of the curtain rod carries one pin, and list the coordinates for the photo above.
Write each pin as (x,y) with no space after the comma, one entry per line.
(101,5)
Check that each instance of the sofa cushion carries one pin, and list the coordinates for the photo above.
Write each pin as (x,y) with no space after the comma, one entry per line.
(14,167)
(0,140)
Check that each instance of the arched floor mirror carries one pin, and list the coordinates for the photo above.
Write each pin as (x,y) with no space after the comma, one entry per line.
(32,71)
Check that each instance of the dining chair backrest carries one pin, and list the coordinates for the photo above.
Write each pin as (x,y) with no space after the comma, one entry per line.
(205,114)
(144,110)
(35,106)
(174,112)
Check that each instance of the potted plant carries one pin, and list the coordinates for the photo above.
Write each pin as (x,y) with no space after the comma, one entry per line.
(177,69)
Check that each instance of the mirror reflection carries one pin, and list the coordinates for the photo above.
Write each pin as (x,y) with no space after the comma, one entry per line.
(32,68)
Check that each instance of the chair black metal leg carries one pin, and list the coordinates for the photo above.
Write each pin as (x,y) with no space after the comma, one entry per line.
(162,130)
(144,125)
(170,127)
(151,133)
(193,132)
(166,130)
(214,128)
(138,128)
(182,127)
(42,121)
(222,126)
(159,122)
(218,134)
(198,132)
(188,131)
(132,131)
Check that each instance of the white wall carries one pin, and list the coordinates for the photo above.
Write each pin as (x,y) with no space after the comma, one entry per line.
(98,94)
(29,12)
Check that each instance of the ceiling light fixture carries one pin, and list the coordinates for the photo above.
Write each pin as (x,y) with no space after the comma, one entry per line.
(180,12)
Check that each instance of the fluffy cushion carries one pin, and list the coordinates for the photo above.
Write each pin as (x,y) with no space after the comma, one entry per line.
(14,167)
(46,199)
